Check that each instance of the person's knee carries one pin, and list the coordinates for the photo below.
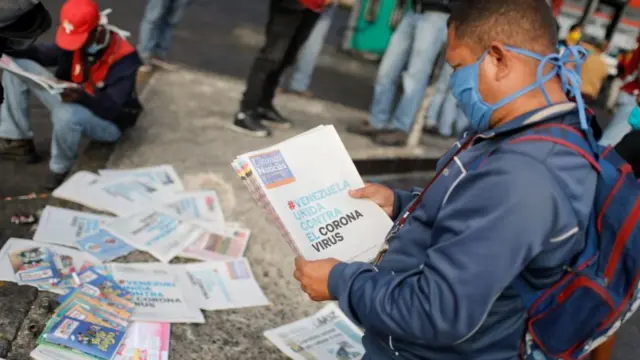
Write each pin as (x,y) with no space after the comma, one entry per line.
(64,118)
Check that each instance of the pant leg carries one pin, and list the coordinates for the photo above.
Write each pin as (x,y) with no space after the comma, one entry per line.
(151,27)
(447,123)
(393,62)
(430,36)
(301,76)
(14,112)
(619,125)
(440,91)
(279,33)
(175,13)
(70,122)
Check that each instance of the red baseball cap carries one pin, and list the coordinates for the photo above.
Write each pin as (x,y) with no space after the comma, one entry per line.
(314,5)
(77,19)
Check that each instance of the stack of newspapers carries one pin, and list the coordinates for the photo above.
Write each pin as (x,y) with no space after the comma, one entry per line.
(302,184)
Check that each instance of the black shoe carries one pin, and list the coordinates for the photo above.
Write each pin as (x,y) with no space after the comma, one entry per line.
(18,150)
(248,122)
(272,118)
(365,129)
(395,138)
(54,180)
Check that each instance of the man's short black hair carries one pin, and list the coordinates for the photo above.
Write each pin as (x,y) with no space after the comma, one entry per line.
(526,24)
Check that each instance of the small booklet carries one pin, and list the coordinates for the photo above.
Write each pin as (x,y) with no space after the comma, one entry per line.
(303,184)
(158,293)
(162,177)
(225,285)
(200,207)
(34,265)
(85,336)
(50,84)
(212,247)
(162,234)
(145,341)
(65,226)
(326,335)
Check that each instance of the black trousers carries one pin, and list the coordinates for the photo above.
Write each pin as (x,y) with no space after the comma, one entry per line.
(286,31)
(629,149)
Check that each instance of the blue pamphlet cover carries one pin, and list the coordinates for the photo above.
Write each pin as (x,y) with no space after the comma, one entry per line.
(91,339)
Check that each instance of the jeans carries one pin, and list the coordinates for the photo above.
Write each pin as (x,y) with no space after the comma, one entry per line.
(301,76)
(443,107)
(619,125)
(70,121)
(156,29)
(415,44)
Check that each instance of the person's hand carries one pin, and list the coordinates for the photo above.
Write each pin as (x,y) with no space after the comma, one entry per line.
(379,194)
(314,277)
(70,95)
(638,99)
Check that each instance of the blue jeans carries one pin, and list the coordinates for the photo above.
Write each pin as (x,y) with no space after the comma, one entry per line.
(70,121)
(443,107)
(156,29)
(415,44)
(619,125)
(301,75)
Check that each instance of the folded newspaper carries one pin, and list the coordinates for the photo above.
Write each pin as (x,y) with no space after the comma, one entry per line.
(49,83)
(302,184)
(326,335)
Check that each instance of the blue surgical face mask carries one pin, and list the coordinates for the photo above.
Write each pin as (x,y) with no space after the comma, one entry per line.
(634,118)
(464,84)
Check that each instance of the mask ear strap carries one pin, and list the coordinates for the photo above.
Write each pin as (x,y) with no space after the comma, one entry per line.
(540,77)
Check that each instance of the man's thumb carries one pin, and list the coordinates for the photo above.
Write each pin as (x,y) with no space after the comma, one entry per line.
(361,192)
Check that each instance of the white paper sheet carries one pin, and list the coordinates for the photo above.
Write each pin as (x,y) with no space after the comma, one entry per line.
(65,226)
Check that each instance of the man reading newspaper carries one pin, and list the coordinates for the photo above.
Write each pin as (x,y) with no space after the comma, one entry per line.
(90,54)
(443,287)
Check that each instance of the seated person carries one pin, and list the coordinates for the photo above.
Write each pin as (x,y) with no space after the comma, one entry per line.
(102,63)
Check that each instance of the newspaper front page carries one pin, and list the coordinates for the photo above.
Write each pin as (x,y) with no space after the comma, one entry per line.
(162,177)
(65,226)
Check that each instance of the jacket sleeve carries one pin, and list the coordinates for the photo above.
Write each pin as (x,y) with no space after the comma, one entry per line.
(46,55)
(486,235)
(402,199)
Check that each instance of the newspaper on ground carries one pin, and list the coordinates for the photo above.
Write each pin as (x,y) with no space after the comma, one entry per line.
(160,292)
(129,195)
(104,245)
(302,184)
(221,285)
(42,265)
(162,177)
(79,188)
(162,234)
(200,207)
(326,335)
(50,84)
(145,341)
(213,247)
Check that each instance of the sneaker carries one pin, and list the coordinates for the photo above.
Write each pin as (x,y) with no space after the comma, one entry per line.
(394,138)
(365,129)
(272,118)
(19,150)
(247,122)
(304,93)
(54,180)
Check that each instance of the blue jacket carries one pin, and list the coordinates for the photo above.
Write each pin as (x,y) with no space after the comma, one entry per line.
(443,291)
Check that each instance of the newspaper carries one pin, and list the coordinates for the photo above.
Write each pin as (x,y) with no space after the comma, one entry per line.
(303,183)
(104,245)
(326,335)
(160,233)
(162,177)
(34,256)
(125,196)
(65,226)
(52,352)
(159,292)
(80,188)
(50,84)
(224,285)
(200,207)
(145,341)
(211,246)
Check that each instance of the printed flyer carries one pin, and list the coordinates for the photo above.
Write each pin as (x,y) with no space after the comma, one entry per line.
(104,246)
(200,207)
(65,226)
(162,177)
(145,341)
(125,196)
(327,335)
(212,247)
(310,198)
(82,188)
(225,285)
(157,293)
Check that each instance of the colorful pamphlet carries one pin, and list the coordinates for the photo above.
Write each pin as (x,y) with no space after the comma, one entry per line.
(213,247)
(145,341)
(35,265)
(89,338)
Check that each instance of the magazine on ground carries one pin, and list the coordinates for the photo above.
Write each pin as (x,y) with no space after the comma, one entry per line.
(50,84)
(158,293)
(200,207)
(162,177)
(145,341)
(221,285)
(212,247)
(326,335)
(162,234)
(303,185)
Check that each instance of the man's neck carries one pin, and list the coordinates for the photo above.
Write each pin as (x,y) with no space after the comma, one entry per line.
(531,101)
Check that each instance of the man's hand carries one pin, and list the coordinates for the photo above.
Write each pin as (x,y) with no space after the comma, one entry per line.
(379,194)
(70,95)
(314,277)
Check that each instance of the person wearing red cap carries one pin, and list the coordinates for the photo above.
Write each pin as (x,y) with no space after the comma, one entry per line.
(290,23)
(90,54)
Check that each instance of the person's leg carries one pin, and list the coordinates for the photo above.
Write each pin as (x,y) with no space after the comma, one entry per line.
(150,28)
(440,91)
(619,125)
(430,36)
(301,76)
(449,117)
(629,150)
(70,122)
(175,13)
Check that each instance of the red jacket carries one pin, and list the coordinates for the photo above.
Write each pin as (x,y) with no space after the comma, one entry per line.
(628,67)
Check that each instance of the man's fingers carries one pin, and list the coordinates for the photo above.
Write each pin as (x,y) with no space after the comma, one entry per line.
(299,262)
(363,192)
(297,275)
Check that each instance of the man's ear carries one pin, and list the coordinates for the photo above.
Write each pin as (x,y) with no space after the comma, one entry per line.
(500,60)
